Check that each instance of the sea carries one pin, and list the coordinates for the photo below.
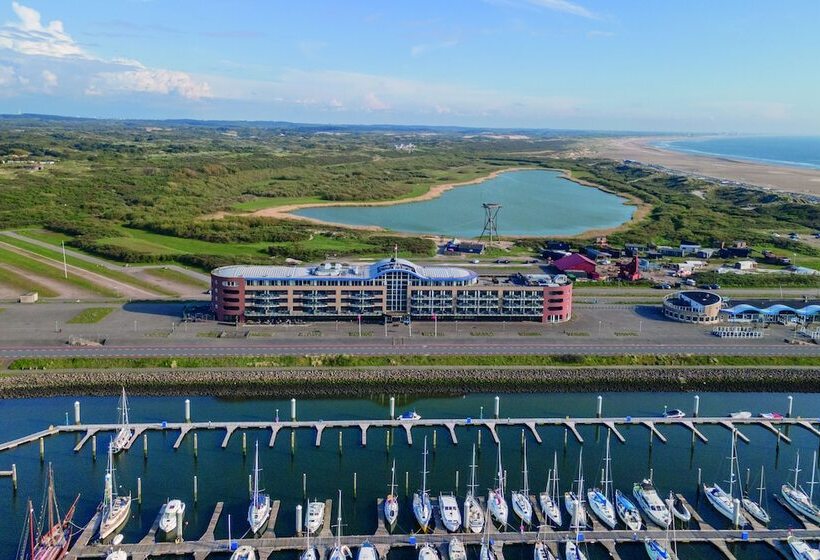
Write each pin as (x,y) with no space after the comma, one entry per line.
(795,151)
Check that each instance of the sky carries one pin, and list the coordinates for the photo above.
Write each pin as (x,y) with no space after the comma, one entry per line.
(749,66)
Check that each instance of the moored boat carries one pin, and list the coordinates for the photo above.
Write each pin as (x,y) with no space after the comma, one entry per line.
(521,500)
(496,503)
(421,499)
(629,514)
(408,416)
(473,518)
(124,432)
(599,498)
(757,509)
(260,506)
(244,552)
(170,522)
(678,509)
(541,552)
(49,537)
(450,515)
(314,516)
(115,509)
(771,415)
(574,503)
(652,505)
(367,552)
(456,550)
(391,502)
(797,498)
(674,413)
(120,554)
(428,552)
(656,551)
(723,501)
(548,499)
(801,550)
(740,415)
(339,551)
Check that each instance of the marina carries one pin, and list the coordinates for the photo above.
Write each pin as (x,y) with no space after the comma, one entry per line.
(304,449)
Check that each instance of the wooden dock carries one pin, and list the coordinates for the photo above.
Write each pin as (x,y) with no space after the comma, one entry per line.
(653,424)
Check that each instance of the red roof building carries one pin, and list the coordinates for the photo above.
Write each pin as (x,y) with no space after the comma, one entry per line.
(578,265)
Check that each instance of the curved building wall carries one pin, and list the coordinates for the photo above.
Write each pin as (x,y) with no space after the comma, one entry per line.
(686,307)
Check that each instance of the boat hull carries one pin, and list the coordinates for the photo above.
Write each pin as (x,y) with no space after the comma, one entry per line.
(602,508)
(116,520)
(550,508)
(724,505)
(258,514)
(800,502)
(473,515)
(522,507)
(627,512)
(654,508)
(244,552)
(498,507)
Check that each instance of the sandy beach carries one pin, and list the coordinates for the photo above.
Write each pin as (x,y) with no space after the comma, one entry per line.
(772,177)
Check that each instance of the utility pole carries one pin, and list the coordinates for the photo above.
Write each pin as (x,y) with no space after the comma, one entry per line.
(65,264)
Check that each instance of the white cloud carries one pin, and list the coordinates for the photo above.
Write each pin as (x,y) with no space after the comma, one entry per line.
(373,103)
(29,36)
(564,6)
(598,33)
(148,80)
(418,50)
(50,79)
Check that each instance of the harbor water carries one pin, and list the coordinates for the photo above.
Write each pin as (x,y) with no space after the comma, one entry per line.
(223,473)
(534,203)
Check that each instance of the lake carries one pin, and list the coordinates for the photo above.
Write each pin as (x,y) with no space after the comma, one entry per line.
(534,203)
(223,473)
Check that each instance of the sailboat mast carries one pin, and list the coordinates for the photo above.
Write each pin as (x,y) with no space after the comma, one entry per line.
(31,525)
(339,523)
(732,465)
(472,474)
(526,474)
(580,475)
(760,497)
(607,483)
(393,479)
(813,471)
(256,475)
(500,472)
(424,470)
(555,475)
(51,497)
(124,408)
(796,469)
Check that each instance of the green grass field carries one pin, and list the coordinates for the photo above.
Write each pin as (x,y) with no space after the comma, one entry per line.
(177,277)
(91,315)
(48,271)
(13,280)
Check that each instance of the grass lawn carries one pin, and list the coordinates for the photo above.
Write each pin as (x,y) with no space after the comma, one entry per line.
(42,269)
(13,280)
(177,277)
(178,245)
(91,315)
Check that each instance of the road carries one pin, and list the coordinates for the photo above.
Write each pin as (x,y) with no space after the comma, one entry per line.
(391,347)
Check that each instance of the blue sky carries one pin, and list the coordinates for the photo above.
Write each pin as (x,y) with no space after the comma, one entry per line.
(666,65)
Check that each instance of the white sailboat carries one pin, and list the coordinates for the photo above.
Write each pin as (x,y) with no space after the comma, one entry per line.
(244,552)
(496,502)
(600,499)
(549,498)
(574,502)
(367,552)
(120,554)
(521,500)
(259,508)
(421,499)
(310,552)
(801,550)
(797,497)
(723,501)
(450,514)
(541,552)
(652,505)
(124,432)
(757,509)
(428,552)
(171,519)
(456,550)
(572,548)
(340,551)
(487,552)
(662,551)
(314,516)
(115,508)
(391,502)
(627,511)
(473,518)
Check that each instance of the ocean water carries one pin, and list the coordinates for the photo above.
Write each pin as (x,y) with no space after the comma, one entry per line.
(222,473)
(797,151)
(534,202)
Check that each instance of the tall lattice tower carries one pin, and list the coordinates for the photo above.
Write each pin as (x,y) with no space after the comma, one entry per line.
(490,221)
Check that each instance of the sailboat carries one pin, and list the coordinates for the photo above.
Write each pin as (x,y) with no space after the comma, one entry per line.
(120,554)
(340,551)
(391,502)
(657,551)
(124,433)
(310,552)
(521,500)
(473,514)
(259,508)
(795,495)
(421,499)
(244,552)
(600,498)
(627,511)
(115,508)
(756,509)
(428,552)
(541,552)
(367,552)
(723,501)
(486,552)
(572,547)
(549,498)
(53,542)
(574,501)
(496,502)
(801,550)
(456,550)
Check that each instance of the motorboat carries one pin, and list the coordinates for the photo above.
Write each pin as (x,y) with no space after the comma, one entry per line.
(48,537)
(244,552)
(656,551)
(391,502)
(771,415)
(124,432)
(473,518)
(628,512)
(450,515)
(259,508)
(740,415)
(801,550)
(340,551)
(652,505)
(421,499)
(428,552)
(723,501)
(599,498)
(496,503)
(674,413)
(409,416)
(314,516)
(120,554)
(574,503)
(170,522)
(678,508)
(757,509)
(115,509)
(367,552)
(797,498)
(541,552)
(521,500)
(456,550)
(548,499)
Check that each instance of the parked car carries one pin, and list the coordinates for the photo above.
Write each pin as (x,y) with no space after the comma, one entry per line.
(502,261)
(475,261)
(663,286)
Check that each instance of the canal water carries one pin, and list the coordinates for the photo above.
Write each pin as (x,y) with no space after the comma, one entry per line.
(223,473)
(534,202)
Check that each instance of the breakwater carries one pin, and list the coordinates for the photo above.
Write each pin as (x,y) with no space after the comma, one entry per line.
(358,382)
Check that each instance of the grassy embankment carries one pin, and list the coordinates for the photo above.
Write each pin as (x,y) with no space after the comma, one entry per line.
(177,277)
(346,361)
(39,268)
(91,315)
(12,280)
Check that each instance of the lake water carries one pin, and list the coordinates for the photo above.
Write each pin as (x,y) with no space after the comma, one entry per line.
(223,473)
(799,151)
(535,203)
